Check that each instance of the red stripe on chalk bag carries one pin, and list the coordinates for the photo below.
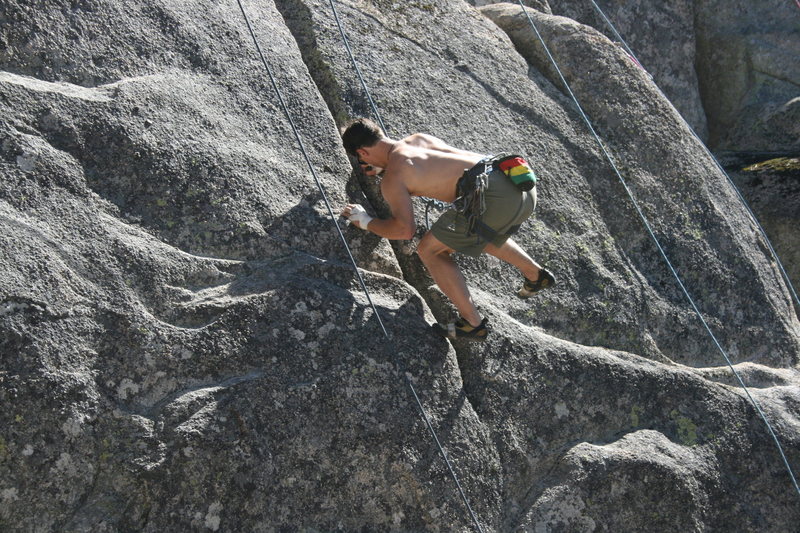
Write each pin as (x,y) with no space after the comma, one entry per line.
(515,162)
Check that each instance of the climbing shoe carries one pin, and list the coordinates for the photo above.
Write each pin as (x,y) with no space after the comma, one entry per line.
(461,329)
(529,288)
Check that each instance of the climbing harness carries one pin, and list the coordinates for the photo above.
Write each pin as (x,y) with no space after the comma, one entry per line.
(428,205)
(471,188)
(363,284)
(660,248)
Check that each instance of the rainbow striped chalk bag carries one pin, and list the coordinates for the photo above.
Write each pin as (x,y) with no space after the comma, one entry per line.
(517,169)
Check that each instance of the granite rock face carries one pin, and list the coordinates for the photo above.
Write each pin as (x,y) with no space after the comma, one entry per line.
(662,37)
(749,74)
(185,346)
(771,186)
(730,68)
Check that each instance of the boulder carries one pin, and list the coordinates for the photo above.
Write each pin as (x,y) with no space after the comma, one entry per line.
(749,74)
(184,344)
(663,39)
(729,67)
(175,290)
(771,186)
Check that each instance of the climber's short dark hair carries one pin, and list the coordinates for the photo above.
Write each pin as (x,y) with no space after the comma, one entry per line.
(359,133)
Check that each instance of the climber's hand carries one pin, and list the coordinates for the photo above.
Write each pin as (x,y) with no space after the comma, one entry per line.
(357,215)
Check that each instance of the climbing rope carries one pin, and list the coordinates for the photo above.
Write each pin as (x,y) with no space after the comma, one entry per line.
(660,249)
(393,350)
(356,68)
(429,202)
(775,257)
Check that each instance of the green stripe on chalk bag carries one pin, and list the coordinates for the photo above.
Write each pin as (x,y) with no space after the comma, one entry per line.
(517,169)
(525,181)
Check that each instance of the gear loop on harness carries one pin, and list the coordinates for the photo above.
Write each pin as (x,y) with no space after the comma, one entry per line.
(435,204)
(471,194)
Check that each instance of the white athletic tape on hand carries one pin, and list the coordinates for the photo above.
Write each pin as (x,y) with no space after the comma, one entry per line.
(359,217)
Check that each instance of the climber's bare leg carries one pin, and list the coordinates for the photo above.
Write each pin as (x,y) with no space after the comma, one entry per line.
(511,253)
(438,259)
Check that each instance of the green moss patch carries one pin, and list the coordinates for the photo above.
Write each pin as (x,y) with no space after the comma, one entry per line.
(779,164)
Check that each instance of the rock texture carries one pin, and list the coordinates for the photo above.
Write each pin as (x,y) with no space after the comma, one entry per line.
(749,74)
(184,345)
(730,68)
(771,185)
(663,38)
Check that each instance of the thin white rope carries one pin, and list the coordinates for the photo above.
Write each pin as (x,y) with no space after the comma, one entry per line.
(774,254)
(646,223)
(393,348)
(429,202)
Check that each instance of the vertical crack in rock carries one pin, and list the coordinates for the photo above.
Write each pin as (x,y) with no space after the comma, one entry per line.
(298,20)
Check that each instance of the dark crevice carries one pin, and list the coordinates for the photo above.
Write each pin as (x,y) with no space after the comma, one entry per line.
(298,19)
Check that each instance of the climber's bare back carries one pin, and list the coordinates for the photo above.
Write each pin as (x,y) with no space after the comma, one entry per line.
(428,166)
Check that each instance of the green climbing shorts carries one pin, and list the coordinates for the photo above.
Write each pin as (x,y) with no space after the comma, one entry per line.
(506,207)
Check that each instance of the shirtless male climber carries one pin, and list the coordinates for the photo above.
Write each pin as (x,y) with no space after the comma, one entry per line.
(422,165)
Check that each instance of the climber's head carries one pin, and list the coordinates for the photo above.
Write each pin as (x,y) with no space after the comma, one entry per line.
(360,133)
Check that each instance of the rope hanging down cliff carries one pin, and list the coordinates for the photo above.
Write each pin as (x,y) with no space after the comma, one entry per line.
(650,231)
(363,284)
(429,202)
(786,278)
